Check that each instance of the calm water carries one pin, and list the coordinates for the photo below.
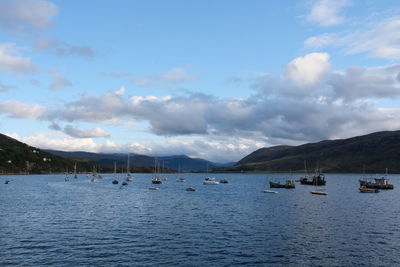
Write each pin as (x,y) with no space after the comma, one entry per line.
(46,221)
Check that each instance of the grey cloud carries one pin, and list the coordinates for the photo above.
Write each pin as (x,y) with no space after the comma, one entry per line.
(5,87)
(114,74)
(279,112)
(25,16)
(54,126)
(62,48)
(171,77)
(88,133)
(59,82)
(11,61)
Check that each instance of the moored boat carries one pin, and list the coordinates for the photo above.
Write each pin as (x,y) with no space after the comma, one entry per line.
(318,179)
(289,184)
(364,189)
(223,181)
(153,188)
(190,189)
(270,191)
(210,181)
(376,183)
(319,193)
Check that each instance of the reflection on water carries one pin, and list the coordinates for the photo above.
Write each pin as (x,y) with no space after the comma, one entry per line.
(46,221)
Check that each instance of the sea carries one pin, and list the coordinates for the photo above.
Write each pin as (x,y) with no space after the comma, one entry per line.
(47,221)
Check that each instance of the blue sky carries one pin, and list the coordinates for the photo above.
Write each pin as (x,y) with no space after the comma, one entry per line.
(210,79)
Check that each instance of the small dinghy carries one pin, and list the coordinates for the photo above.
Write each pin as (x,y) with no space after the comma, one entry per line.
(190,189)
(319,193)
(270,191)
(153,188)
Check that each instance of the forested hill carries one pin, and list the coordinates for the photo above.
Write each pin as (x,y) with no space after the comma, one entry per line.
(373,152)
(17,157)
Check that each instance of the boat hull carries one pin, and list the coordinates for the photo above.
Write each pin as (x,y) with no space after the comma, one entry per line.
(279,185)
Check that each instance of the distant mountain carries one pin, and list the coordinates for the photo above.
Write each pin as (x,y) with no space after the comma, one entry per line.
(175,162)
(373,152)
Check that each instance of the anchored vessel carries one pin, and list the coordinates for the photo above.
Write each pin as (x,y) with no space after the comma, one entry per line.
(289,184)
(376,183)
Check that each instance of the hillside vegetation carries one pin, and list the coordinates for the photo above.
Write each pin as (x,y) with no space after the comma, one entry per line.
(373,153)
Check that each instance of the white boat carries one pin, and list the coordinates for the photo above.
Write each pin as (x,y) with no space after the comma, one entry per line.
(66,176)
(210,181)
(181,179)
(156,179)
(75,175)
(270,191)
(128,172)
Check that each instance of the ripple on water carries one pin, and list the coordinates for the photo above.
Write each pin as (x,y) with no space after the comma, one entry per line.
(46,221)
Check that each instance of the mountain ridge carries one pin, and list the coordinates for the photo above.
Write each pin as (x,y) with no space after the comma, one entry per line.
(372,153)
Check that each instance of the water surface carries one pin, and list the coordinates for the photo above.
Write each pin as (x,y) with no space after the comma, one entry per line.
(47,221)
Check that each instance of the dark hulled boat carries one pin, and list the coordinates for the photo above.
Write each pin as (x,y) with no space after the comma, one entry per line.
(288,185)
(318,179)
(376,183)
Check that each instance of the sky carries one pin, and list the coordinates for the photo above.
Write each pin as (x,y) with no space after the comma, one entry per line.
(210,79)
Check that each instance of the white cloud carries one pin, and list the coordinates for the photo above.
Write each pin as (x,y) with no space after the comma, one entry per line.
(20,110)
(380,40)
(96,132)
(308,70)
(59,141)
(26,15)
(59,82)
(327,12)
(309,103)
(320,41)
(171,77)
(10,61)
(62,48)
(5,87)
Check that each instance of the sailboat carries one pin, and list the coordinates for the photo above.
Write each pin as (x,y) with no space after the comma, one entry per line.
(156,179)
(128,172)
(210,180)
(75,175)
(115,181)
(66,176)
(180,179)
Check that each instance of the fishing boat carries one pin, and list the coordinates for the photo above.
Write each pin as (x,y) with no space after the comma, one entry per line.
(364,189)
(317,180)
(289,184)
(376,183)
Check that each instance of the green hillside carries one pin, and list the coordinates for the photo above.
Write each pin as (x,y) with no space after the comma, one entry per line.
(17,157)
(373,152)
